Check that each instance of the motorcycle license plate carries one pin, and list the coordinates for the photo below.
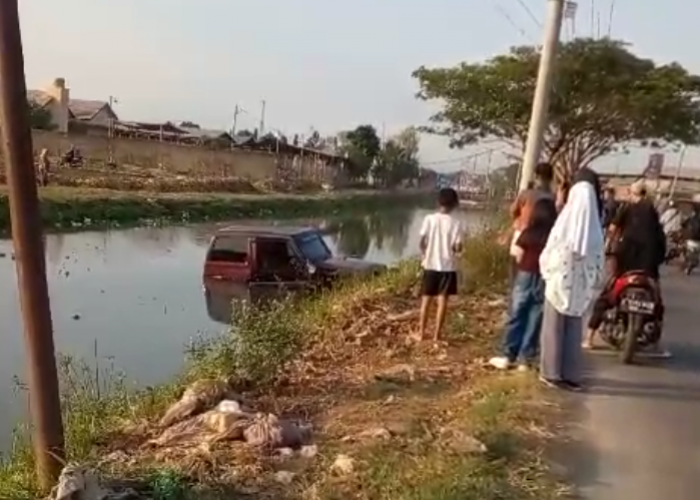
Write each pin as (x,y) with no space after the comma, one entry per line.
(637,306)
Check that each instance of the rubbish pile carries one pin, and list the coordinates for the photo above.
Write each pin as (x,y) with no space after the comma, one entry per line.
(208,412)
(80,483)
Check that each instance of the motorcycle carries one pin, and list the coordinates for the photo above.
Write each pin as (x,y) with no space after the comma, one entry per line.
(632,320)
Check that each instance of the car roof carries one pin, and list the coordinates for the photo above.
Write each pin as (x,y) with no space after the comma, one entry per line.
(258,230)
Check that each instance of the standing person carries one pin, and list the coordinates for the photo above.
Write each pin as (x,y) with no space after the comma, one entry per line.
(521,343)
(440,242)
(44,167)
(671,220)
(610,206)
(521,209)
(572,266)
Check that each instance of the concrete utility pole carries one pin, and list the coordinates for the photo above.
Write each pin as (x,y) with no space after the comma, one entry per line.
(263,110)
(540,104)
(45,404)
(236,112)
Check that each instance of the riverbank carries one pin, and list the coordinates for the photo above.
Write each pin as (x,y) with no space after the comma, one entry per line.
(65,208)
(377,418)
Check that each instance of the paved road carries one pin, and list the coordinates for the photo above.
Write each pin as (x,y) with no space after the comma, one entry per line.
(640,432)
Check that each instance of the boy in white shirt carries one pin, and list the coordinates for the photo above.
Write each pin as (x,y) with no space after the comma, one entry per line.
(440,242)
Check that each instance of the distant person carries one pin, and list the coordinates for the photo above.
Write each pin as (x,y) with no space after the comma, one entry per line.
(572,266)
(44,167)
(521,343)
(691,229)
(440,242)
(671,219)
(610,206)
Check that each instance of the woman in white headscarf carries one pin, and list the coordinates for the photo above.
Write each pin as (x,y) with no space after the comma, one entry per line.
(572,266)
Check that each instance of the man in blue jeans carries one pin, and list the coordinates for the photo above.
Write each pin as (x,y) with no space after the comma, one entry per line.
(521,343)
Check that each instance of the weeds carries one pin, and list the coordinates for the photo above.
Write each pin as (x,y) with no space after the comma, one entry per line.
(71,208)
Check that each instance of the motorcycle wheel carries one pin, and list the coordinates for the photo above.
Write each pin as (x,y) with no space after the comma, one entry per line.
(629,344)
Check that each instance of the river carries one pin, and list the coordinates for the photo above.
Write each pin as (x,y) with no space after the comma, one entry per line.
(133,298)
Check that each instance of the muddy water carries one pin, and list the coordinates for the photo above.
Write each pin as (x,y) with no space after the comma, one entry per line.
(134,298)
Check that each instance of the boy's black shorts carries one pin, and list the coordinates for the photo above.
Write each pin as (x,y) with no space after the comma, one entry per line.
(436,283)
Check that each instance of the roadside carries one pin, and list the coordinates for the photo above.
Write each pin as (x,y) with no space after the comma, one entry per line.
(86,208)
(382,419)
(637,433)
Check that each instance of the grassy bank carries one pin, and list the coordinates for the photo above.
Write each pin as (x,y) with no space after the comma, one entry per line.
(77,208)
(391,420)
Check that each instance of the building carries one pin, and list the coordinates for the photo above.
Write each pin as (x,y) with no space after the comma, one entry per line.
(64,109)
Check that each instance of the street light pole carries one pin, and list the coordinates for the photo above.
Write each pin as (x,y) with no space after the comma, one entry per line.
(45,405)
(540,103)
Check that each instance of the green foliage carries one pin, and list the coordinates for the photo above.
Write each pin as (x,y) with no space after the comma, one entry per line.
(168,484)
(604,97)
(261,342)
(65,208)
(485,263)
(398,159)
(94,400)
(503,181)
(39,117)
(362,145)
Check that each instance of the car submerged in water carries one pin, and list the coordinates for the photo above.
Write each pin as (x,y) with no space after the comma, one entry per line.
(283,257)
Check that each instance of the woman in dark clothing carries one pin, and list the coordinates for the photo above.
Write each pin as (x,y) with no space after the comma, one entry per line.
(640,245)
(641,239)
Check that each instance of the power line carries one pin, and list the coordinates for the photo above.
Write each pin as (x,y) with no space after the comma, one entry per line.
(530,13)
(512,22)
(461,159)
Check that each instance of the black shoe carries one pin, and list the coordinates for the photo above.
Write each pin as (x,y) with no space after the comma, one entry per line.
(572,386)
(554,384)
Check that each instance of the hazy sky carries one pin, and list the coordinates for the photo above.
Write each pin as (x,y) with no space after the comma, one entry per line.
(331,65)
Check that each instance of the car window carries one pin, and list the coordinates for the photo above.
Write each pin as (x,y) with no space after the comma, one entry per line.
(229,248)
(312,247)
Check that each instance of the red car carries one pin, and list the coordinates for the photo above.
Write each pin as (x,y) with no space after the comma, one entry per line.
(283,255)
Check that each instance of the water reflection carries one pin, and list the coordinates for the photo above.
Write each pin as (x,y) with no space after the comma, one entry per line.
(354,237)
(138,292)
(221,297)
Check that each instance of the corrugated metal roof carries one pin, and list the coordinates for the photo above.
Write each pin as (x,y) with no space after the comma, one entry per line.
(205,133)
(84,109)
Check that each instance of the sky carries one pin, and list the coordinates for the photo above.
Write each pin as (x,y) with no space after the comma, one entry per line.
(329,65)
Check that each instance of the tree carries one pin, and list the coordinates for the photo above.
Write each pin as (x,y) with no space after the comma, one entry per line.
(39,117)
(503,180)
(187,124)
(397,161)
(409,141)
(604,98)
(361,146)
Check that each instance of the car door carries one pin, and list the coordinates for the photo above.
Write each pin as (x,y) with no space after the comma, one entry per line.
(276,265)
(228,259)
